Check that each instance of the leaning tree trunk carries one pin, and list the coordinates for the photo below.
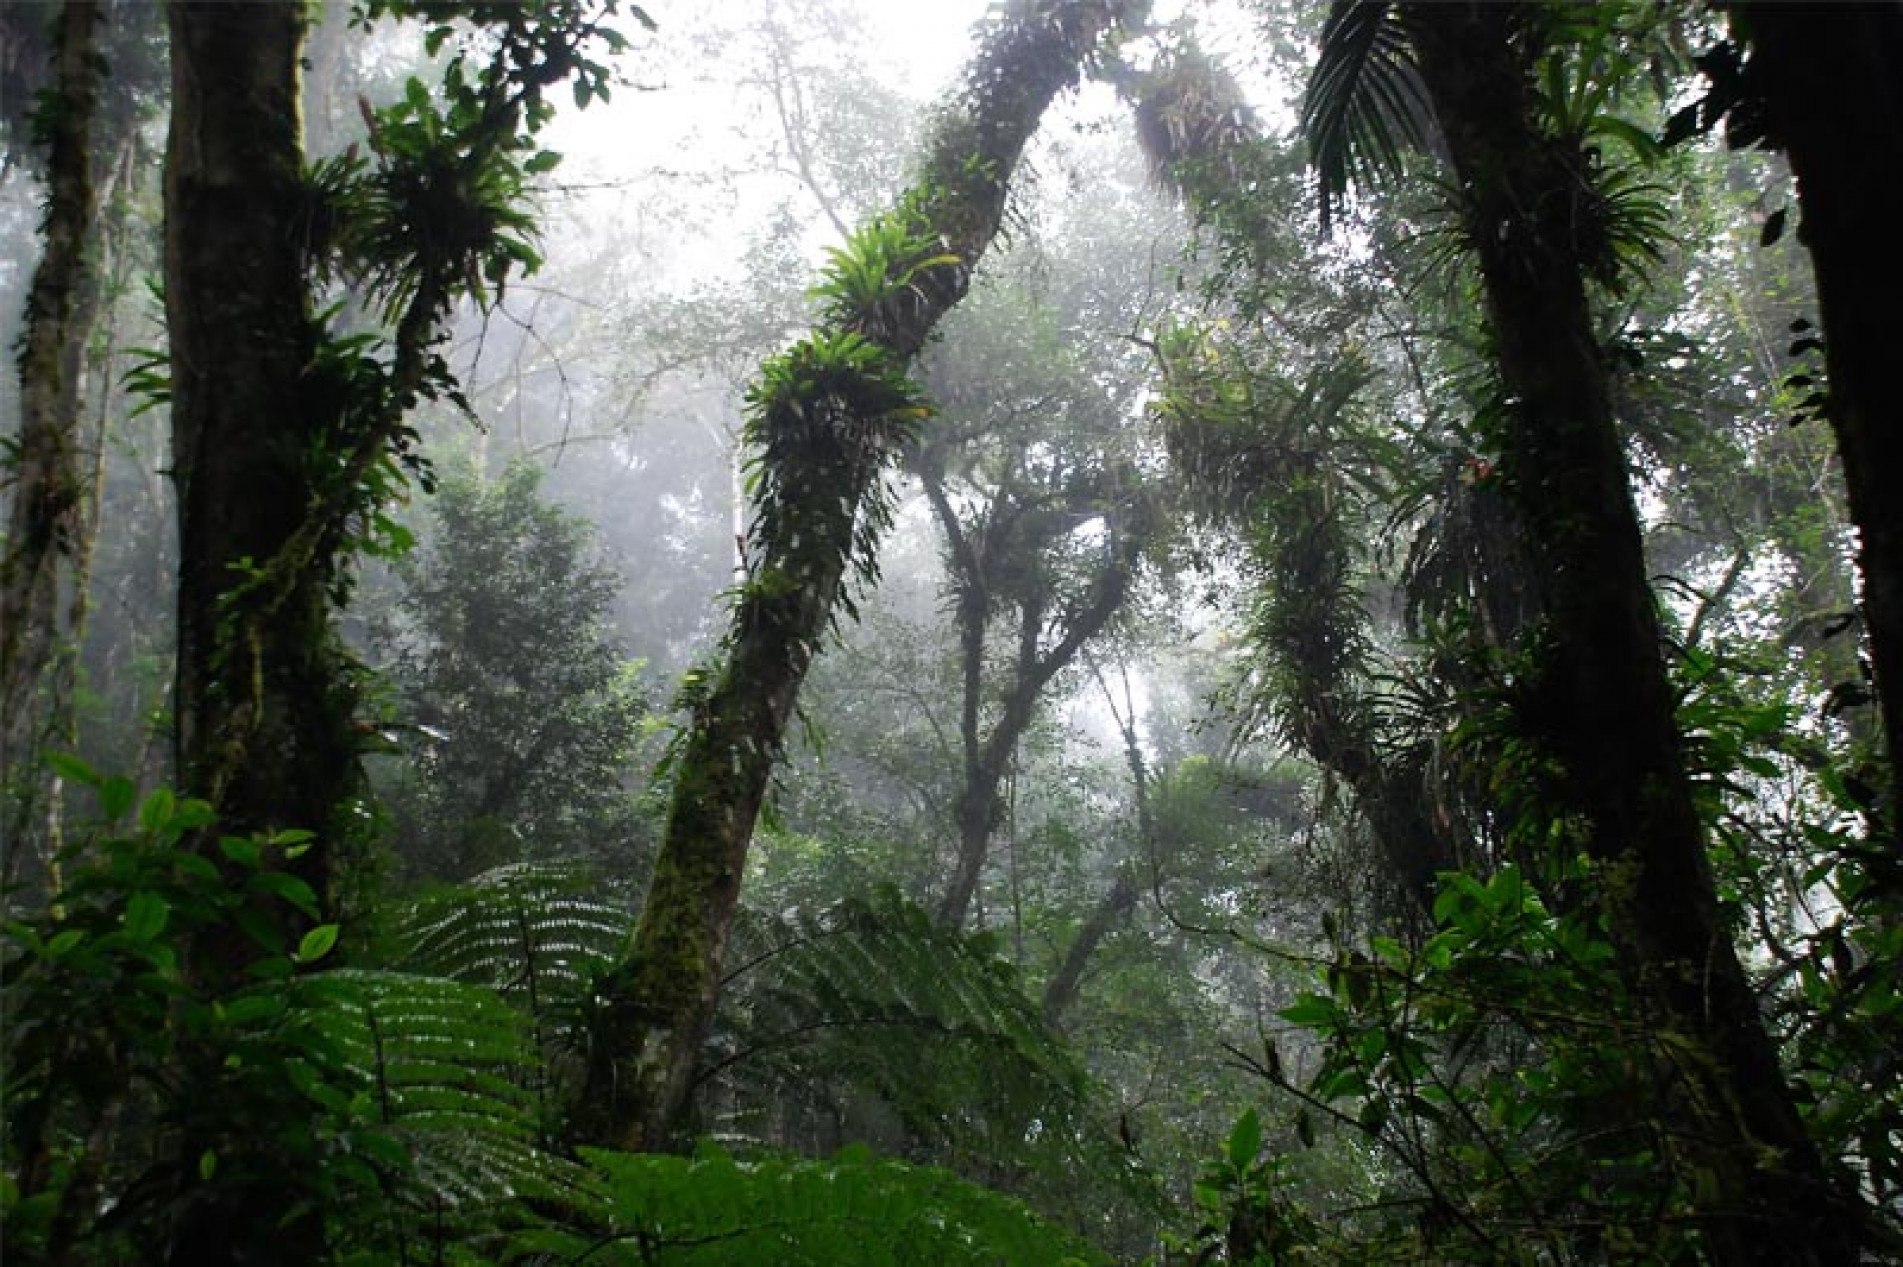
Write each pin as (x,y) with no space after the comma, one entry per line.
(826,448)
(1113,909)
(1830,79)
(49,520)
(262,707)
(1596,700)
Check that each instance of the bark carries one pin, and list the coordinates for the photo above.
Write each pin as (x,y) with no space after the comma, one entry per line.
(1597,702)
(261,712)
(1833,98)
(1060,992)
(262,703)
(53,486)
(661,1001)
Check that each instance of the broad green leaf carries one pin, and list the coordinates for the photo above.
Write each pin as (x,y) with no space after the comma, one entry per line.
(317,943)
(71,768)
(156,813)
(116,797)
(146,916)
(241,849)
(1245,1141)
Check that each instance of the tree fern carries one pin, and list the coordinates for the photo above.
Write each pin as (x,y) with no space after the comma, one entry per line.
(539,935)
(431,1084)
(829,990)
(870,1021)
(851,1211)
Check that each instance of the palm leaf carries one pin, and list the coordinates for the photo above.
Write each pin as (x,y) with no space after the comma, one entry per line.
(1365,106)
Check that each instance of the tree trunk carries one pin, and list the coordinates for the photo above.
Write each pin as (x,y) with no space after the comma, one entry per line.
(260,712)
(261,702)
(1834,98)
(988,755)
(1597,702)
(53,486)
(662,999)
(1060,992)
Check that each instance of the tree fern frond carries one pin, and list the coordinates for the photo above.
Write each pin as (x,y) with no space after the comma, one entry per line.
(1365,105)
(870,1020)
(882,961)
(518,927)
(434,1081)
(849,1211)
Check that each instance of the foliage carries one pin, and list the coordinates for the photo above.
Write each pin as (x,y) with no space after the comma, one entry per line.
(872,995)
(828,412)
(1246,1214)
(537,935)
(1366,108)
(433,214)
(520,717)
(360,1111)
(851,1210)
(387,1115)
(1365,104)
(866,1019)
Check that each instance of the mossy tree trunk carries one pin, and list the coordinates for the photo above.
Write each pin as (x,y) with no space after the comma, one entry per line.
(260,717)
(1834,100)
(825,451)
(262,702)
(49,522)
(1596,701)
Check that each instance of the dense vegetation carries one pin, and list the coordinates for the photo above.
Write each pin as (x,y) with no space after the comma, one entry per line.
(1270,634)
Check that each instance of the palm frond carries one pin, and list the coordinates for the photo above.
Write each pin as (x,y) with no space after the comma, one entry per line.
(1365,106)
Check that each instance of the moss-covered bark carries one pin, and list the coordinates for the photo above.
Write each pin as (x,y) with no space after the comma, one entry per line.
(49,521)
(262,701)
(825,423)
(1596,702)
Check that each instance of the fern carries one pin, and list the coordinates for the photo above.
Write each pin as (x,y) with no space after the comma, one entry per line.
(538,934)
(430,1083)
(852,1211)
(868,1021)
(832,990)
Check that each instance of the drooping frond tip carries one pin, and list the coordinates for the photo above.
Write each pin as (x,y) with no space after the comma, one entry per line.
(1365,106)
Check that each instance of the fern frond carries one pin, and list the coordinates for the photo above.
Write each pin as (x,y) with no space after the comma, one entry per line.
(850,1211)
(435,1080)
(1365,105)
(881,963)
(519,929)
